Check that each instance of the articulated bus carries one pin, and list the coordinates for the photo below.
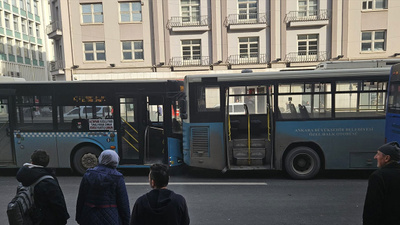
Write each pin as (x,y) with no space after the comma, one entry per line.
(297,121)
(392,131)
(75,121)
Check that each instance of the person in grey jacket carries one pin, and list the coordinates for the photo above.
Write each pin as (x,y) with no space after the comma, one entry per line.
(160,205)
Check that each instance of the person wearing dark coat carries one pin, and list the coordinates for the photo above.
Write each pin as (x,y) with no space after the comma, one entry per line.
(382,201)
(102,198)
(160,205)
(50,207)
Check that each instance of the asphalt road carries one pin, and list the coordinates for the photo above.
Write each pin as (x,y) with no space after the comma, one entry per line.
(252,198)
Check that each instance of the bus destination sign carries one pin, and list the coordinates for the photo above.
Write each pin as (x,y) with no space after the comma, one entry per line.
(89,99)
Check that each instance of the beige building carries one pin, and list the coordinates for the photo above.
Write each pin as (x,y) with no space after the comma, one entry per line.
(151,39)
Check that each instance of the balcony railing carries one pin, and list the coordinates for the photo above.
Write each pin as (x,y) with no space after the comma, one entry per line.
(248,59)
(190,61)
(194,21)
(311,15)
(53,26)
(248,18)
(311,56)
(56,65)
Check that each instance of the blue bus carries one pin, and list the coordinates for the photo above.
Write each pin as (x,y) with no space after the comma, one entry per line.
(75,121)
(297,121)
(392,132)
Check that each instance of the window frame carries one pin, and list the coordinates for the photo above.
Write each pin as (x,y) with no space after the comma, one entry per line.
(132,50)
(305,9)
(245,43)
(132,13)
(373,41)
(193,12)
(94,51)
(246,10)
(190,47)
(307,39)
(92,13)
(370,5)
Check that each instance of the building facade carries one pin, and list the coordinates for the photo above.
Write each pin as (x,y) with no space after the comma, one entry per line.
(23,42)
(152,39)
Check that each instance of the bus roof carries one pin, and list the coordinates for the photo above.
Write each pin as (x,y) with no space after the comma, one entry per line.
(290,75)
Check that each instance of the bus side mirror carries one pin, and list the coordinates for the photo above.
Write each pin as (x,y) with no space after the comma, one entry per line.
(182,109)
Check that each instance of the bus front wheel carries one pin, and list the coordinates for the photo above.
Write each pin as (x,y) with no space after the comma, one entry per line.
(302,163)
(85,158)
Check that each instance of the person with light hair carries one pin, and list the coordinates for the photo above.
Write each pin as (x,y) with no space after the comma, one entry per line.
(102,197)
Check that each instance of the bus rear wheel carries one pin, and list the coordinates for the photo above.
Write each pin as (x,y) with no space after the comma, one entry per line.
(302,163)
(85,158)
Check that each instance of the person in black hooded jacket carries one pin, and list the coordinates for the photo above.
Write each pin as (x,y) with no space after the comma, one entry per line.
(160,205)
(382,205)
(48,196)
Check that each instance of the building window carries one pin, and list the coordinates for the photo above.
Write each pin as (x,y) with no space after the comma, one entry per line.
(191,49)
(10,46)
(95,51)
(132,50)
(18,45)
(307,45)
(7,20)
(16,25)
(247,9)
(373,41)
(1,20)
(26,51)
(37,30)
(14,3)
(374,4)
(308,8)
(22,4)
(190,11)
(33,54)
(40,53)
(2,50)
(23,26)
(28,5)
(130,11)
(35,8)
(248,47)
(30,28)
(92,13)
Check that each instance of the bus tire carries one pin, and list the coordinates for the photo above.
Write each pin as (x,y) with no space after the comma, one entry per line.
(302,163)
(85,158)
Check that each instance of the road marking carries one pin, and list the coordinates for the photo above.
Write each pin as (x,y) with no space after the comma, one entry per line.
(206,183)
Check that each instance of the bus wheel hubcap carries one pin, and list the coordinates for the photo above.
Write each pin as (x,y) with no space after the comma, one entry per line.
(89,160)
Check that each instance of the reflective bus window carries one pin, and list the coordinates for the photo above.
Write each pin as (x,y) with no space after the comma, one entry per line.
(303,101)
(67,114)
(208,99)
(252,97)
(34,112)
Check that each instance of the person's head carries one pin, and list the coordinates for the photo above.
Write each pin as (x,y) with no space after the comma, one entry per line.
(158,176)
(109,158)
(387,153)
(40,158)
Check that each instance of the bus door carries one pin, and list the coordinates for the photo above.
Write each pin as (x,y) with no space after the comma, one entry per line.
(131,131)
(5,133)
(249,120)
(154,133)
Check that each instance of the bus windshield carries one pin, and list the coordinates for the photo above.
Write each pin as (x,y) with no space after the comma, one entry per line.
(394,98)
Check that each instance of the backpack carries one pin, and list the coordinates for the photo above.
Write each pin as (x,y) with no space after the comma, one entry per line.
(20,207)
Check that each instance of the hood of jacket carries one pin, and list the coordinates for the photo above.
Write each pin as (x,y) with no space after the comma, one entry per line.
(30,173)
(159,199)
